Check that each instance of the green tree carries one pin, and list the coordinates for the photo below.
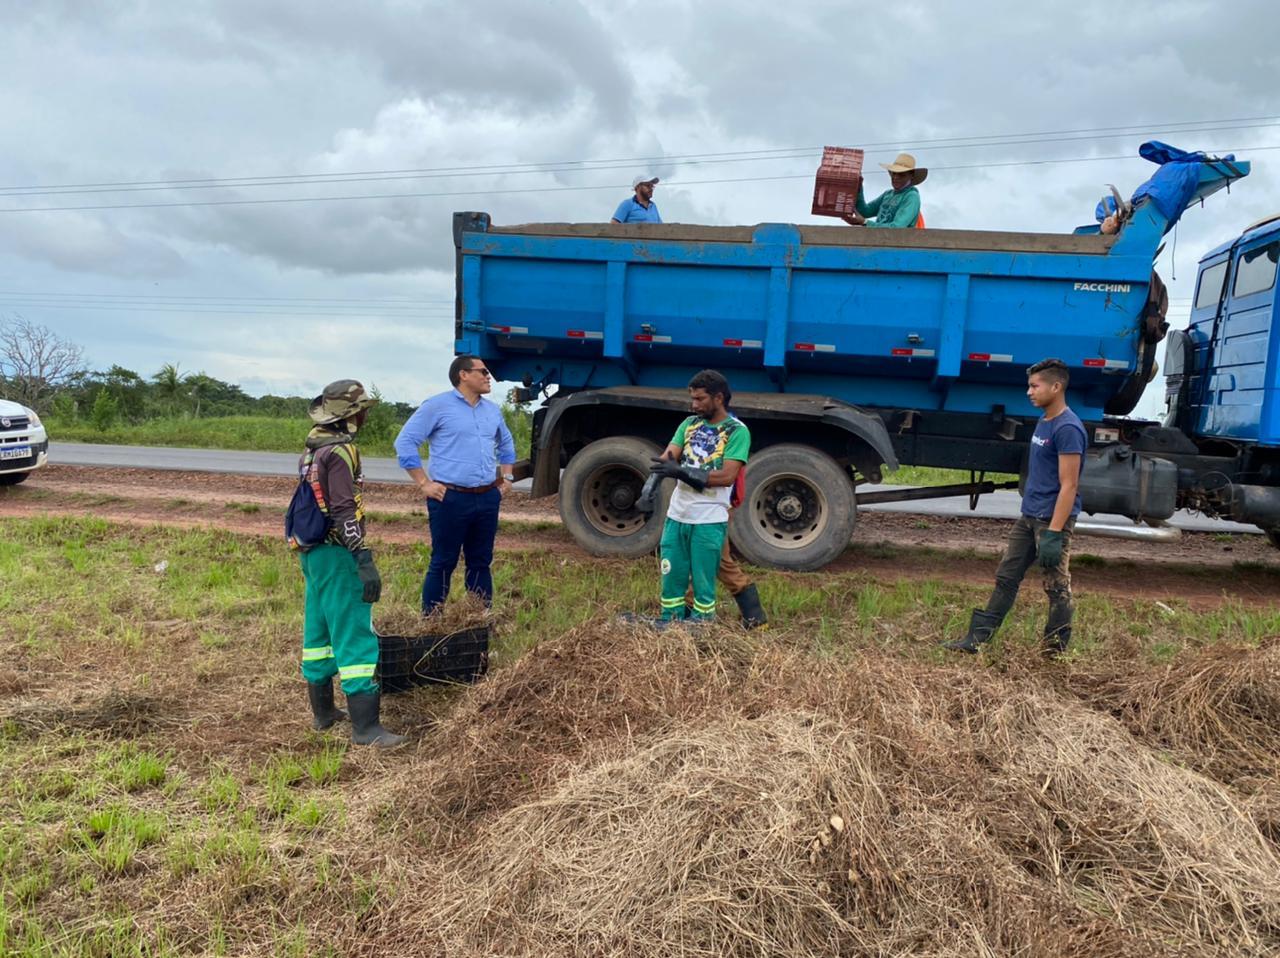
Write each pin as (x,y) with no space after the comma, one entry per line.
(129,391)
(170,388)
(106,410)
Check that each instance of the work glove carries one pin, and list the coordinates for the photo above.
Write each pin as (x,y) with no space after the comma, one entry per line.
(369,577)
(670,469)
(1050,548)
(648,500)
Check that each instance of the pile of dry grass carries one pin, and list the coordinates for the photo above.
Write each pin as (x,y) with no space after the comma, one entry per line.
(627,793)
(584,697)
(1217,710)
(453,616)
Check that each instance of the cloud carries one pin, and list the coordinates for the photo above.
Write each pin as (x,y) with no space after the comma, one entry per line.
(223,88)
(79,243)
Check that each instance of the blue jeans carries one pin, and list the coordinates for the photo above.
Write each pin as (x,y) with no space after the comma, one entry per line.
(464,522)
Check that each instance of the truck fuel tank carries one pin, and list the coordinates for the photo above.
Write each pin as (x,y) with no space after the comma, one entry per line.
(1119,481)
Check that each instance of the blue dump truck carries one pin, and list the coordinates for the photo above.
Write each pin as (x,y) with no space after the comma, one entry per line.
(852,351)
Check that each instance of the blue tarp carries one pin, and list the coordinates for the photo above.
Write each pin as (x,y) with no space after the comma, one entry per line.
(1172,186)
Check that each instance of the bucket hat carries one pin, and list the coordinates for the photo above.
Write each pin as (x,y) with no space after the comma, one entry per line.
(340,400)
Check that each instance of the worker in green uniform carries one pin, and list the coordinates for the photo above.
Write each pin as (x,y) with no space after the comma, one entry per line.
(704,456)
(342,583)
(899,207)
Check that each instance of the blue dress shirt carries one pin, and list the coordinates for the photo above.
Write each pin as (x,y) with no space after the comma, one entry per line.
(467,442)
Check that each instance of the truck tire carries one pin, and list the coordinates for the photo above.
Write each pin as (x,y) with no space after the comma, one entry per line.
(798,509)
(1273,536)
(13,478)
(597,498)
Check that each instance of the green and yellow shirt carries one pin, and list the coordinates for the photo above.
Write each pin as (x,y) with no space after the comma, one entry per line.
(706,446)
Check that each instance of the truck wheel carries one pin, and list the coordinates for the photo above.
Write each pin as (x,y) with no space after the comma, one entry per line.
(798,509)
(13,478)
(598,492)
(1273,536)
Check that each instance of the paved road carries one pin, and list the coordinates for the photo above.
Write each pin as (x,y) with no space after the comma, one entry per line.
(998,505)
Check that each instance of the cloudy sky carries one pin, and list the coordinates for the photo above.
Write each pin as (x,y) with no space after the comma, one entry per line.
(422,108)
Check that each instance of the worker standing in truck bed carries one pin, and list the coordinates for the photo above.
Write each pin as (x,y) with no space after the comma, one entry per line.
(899,207)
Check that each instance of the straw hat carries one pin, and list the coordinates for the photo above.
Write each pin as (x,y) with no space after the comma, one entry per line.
(906,163)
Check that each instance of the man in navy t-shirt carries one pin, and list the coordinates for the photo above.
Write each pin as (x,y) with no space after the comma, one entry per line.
(1050,504)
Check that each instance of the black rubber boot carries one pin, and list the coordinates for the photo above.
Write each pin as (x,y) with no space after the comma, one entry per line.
(322,708)
(748,600)
(365,727)
(1057,632)
(982,625)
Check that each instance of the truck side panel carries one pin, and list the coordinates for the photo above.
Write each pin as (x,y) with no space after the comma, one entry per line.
(933,328)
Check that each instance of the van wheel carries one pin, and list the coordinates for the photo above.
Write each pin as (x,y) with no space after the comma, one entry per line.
(798,509)
(598,493)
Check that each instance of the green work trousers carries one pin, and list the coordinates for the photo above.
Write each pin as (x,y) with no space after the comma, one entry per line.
(690,552)
(337,625)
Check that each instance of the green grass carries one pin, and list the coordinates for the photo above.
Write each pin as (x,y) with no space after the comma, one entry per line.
(111,810)
(929,476)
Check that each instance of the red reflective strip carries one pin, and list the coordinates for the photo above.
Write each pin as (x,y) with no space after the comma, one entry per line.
(577,333)
(807,347)
(1095,362)
(644,338)
(733,342)
(901,352)
(980,357)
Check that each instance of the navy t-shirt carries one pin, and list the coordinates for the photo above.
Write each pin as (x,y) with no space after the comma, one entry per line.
(1062,435)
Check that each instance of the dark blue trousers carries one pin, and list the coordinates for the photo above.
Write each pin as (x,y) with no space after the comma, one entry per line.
(463,523)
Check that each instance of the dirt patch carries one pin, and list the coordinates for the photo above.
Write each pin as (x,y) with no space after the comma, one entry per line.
(1204,570)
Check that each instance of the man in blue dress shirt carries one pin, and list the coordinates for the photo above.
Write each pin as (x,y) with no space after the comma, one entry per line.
(470,463)
(639,208)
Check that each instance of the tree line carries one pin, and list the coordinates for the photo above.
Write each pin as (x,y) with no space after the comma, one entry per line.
(41,369)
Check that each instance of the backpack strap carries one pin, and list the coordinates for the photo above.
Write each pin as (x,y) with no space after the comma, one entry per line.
(313,480)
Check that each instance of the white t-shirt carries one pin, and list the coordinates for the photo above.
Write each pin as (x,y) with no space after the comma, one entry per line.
(704,446)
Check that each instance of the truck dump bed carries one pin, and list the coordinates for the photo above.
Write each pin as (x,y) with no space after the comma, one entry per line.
(922,319)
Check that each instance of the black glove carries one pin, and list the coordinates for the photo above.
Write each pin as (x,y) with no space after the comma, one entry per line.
(368,573)
(1050,548)
(648,500)
(670,469)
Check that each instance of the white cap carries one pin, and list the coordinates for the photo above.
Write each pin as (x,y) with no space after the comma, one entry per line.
(643,179)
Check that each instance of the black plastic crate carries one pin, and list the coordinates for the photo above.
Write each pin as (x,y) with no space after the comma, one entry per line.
(406,662)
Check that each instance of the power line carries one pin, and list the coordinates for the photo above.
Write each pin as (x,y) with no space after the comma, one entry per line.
(267,301)
(256,299)
(547,189)
(225,312)
(588,165)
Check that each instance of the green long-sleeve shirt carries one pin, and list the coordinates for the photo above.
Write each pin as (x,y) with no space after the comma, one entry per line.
(892,208)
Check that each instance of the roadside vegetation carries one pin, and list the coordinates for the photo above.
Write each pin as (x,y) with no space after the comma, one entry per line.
(161,792)
(252,433)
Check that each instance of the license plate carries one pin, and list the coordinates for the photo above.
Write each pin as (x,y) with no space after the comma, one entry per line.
(15,452)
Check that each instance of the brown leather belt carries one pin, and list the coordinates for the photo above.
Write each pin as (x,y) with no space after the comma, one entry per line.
(471,490)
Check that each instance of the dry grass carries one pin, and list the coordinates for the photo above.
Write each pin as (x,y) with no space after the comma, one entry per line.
(626,793)
(616,791)
(455,615)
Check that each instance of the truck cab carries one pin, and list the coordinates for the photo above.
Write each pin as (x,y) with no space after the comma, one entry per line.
(1233,390)
(1223,383)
